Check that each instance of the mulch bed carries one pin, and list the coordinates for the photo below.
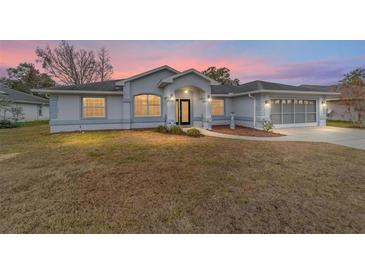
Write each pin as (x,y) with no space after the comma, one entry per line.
(245,131)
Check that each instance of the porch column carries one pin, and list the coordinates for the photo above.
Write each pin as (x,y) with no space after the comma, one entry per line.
(126,106)
(322,114)
(207,106)
(267,107)
(169,99)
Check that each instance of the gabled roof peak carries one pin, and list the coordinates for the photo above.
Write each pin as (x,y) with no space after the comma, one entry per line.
(143,74)
(170,79)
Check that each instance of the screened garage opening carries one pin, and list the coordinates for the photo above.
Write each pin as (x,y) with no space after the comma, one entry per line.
(293,111)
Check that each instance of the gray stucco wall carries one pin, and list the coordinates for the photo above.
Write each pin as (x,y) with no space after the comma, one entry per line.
(228,109)
(243,110)
(199,90)
(66,110)
(146,85)
(66,114)
(320,108)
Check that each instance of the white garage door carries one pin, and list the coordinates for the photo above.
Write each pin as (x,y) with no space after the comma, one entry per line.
(293,111)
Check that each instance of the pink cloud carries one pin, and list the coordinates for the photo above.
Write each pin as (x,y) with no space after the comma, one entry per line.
(136,59)
(132,57)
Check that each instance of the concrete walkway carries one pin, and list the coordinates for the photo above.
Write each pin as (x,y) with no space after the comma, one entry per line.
(354,138)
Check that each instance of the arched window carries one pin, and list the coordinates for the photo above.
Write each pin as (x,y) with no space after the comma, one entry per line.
(147,105)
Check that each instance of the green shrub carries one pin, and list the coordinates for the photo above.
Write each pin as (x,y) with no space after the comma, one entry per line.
(193,132)
(7,124)
(162,129)
(175,130)
(267,126)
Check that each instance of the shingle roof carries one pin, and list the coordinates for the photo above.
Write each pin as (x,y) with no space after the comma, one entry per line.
(260,85)
(20,97)
(109,85)
(322,88)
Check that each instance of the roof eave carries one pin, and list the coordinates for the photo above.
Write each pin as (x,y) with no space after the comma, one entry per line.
(60,91)
(222,94)
(30,102)
(327,93)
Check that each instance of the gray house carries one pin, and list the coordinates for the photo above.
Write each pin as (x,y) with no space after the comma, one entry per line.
(165,96)
(33,107)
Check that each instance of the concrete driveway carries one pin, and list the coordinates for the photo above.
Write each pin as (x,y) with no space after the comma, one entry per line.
(335,135)
(349,137)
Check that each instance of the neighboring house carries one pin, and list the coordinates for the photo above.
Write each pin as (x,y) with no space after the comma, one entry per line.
(33,107)
(336,106)
(338,110)
(165,96)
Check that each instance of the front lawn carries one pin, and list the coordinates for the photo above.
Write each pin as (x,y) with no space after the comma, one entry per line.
(340,123)
(147,182)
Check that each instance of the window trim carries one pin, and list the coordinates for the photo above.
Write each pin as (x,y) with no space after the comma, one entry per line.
(93,118)
(40,110)
(146,116)
(224,107)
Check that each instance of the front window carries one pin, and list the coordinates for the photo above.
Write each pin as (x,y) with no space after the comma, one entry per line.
(93,107)
(147,105)
(218,107)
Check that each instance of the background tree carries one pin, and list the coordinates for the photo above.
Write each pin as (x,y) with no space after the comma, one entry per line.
(25,77)
(5,106)
(73,66)
(17,114)
(105,69)
(221,75)
(353,96)
(10,113)
(355,77)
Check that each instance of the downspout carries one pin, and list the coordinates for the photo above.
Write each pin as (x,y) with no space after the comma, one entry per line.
(254,109)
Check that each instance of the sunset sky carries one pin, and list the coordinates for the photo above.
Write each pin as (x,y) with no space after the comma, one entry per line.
(291,62)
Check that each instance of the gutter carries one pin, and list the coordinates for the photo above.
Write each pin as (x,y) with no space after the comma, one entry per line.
(60,91)
(326,93)
(254,109)
(30,102)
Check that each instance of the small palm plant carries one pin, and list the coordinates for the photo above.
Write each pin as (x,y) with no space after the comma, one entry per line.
(267,126)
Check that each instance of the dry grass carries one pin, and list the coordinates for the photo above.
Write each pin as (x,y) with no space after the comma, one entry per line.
(146,182)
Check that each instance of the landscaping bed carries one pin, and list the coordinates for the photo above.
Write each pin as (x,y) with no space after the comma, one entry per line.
(245,131)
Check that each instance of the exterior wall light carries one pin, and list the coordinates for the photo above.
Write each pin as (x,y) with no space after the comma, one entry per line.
(324,103)
(209,98)
(267,103)
(172,98)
